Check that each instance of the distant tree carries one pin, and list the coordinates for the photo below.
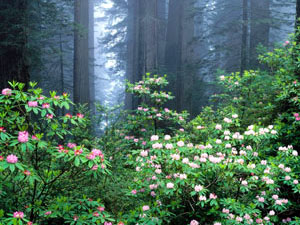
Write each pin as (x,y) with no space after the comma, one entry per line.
(260,23)
(81,52)
(179,51)
(244,47)
(297,20)
(142,42)
(14,54)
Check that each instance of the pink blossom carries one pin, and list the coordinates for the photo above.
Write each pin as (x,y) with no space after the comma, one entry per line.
(194,222)
(96,214)
(91,156)
(146,208)
(96,152)
(6,91)
(71,145)
(180,143)
(213,196)
(46,106)
(244,183)
(198,188)
(218,127)
(170,185)
(100,208)
(144,153)
(133,192)
(107,223)
(26,172)
(78,151)
(202,198)
(275,197)
(23,136)
(261,199)
(154,138)
(95,167)
(157,146)
(271,213)
(12,159)
(79,115)
(224,210)
(295,182)
(48,213)
(49,116)
(169,146)
(32,103)
(18,215)
(75,218)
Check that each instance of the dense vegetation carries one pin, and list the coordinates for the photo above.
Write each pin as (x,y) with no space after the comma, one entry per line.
(235,163)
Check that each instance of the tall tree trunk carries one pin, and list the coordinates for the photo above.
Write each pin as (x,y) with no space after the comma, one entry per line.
(179,51)
(81,53)
(162,31)
(132,48)
(244,37)
(297,23)
(297,37)
(142,42)
(14,64)
(260,28)
(91,57)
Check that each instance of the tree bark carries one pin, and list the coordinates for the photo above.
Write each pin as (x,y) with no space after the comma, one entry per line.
(142,43)
(14,61)
(81,53)
(259,28)
(244,37)
(179,51)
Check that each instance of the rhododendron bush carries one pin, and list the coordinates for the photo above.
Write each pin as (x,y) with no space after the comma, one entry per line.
(44,175)
(235,163)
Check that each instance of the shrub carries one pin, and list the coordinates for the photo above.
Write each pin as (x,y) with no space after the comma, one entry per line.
(45,176)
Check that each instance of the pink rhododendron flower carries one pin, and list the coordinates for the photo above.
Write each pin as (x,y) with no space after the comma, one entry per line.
(79,115)
(46,106)
(146,208)
(78,151)
(48,213)
(71,145)
(96,214)
(154,138)
(23,136)
(96,152)
(170,185)
(202,198)
(107,223)
(49,116)
(198,188)
(133,192)
(18,215)
(6,91)
(194,222)
(100,208)
(26,172)
(32,103)
(2,130)
(91,156)
(218,127)
(12,159)
(95,167)
(180,143)
(213,196)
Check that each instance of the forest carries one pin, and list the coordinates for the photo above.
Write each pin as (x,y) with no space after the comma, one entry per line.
(149,112)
